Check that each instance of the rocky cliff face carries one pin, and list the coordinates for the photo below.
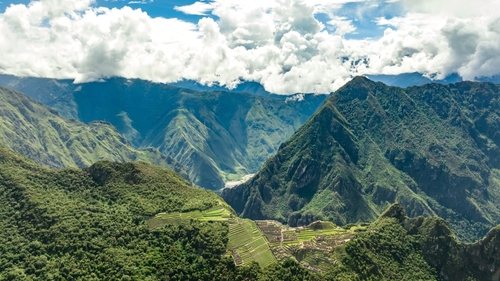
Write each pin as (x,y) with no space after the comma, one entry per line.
(433,148)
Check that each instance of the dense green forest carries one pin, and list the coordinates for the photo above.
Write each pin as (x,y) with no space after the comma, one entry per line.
(433,148)
(90,224)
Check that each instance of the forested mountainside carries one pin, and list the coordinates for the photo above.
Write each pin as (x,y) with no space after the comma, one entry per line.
(433,148)
(399,248)
(41,134)
(90,224)
(93,224)
(217,136)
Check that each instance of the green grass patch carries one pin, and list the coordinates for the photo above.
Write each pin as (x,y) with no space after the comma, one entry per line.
(307,235)
(218,213)
(291,242)
(336,231)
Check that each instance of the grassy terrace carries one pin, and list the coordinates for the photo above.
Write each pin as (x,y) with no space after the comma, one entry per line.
(246,242)
(219,213)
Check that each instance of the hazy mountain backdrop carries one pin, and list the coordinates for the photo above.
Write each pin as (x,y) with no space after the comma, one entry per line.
(218,136)
(40,133)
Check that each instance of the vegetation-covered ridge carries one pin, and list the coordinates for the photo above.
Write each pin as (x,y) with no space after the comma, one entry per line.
(92,224)
(42,135)
(218,136)
(433,148)
(400,248)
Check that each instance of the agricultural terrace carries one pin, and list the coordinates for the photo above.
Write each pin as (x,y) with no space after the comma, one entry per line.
(219,213)
(246,242)
(267,241)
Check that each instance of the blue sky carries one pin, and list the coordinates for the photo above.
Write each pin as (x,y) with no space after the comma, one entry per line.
(154,9)
(288,46)
(361,13)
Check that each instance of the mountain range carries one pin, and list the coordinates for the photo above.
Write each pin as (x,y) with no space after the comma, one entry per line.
(218,136)
(418,79)
(433,148)
(40,133)
(412,79)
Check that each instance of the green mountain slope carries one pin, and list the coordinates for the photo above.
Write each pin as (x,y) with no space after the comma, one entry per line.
(92,224)
(399,248)
(433,148)
(217,136)
(41,134)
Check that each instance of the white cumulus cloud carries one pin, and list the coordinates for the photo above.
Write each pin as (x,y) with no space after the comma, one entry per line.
(198,8)
(278,43)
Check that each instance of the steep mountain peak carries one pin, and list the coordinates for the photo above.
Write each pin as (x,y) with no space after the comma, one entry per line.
(360,81)
(358,88)
(432,148)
